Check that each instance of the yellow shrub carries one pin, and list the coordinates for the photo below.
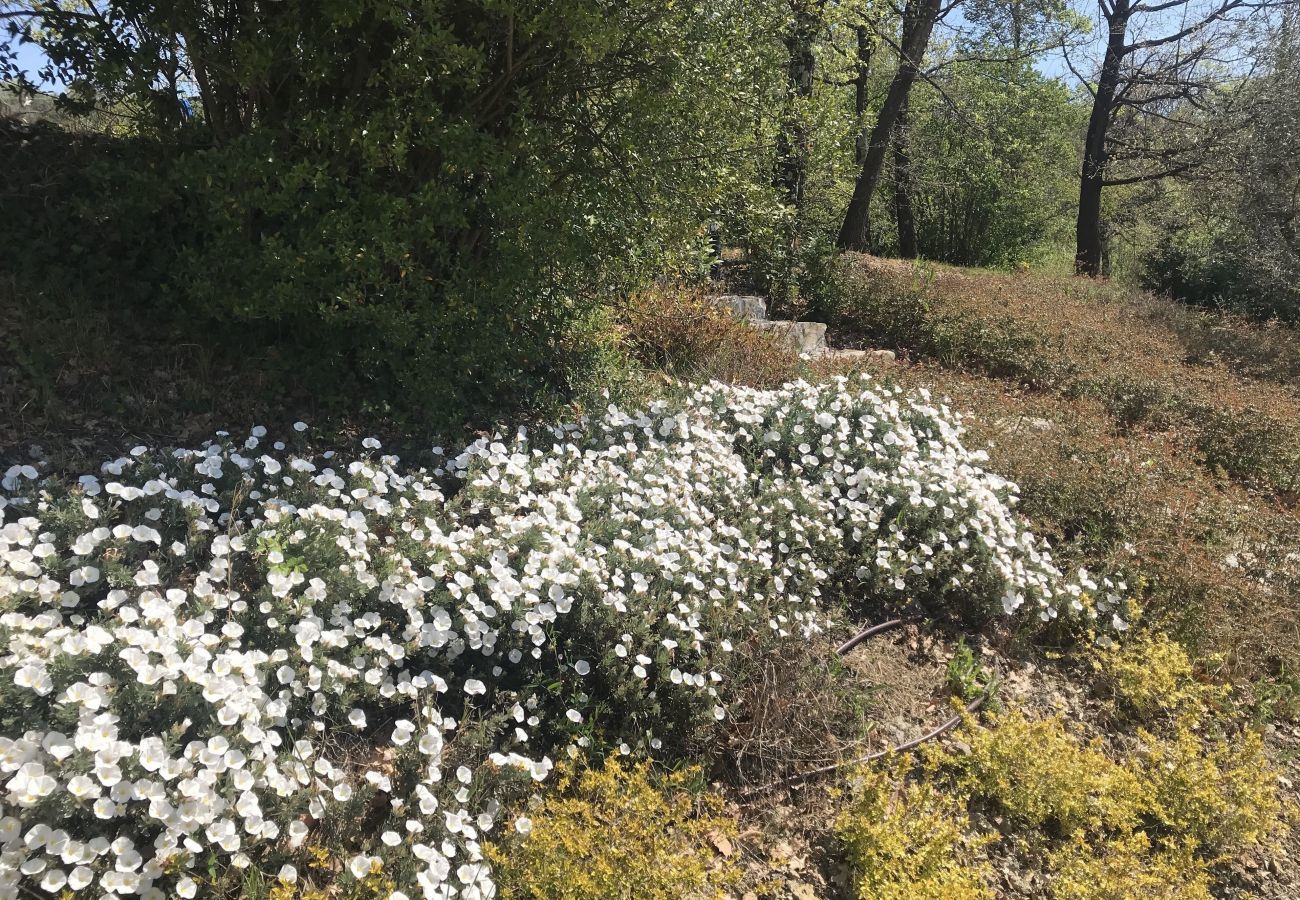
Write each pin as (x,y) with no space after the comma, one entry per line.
(1041,775)
(1150,676)
(1126,868)
(908,842)
(1221,797)
(614,832)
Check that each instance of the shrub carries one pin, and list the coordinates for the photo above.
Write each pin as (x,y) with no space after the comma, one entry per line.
(1258,447)
(908,841)
(1217,797)
(207,649)
(1171,809)
(652,839)
(1062,784)
(678,332)
(1150,676)
(905,310)
(421,212)
(1127,868)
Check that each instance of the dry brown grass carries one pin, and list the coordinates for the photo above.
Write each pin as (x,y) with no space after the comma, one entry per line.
(675,331)
(1226,391)
(1137,449)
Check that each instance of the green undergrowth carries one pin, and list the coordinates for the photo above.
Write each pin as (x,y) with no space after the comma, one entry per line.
(651,838)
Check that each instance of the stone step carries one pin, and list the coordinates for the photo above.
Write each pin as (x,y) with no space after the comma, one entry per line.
(801,337)
(853,356)
(742,306)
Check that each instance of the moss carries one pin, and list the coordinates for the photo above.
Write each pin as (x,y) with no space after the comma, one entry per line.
(615,831)
(908,841)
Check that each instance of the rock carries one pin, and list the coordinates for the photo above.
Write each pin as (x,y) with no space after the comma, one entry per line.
(742,306)
(801,337)
(858,356)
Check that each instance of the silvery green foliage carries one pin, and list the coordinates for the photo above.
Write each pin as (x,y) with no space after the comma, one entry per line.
(234,653)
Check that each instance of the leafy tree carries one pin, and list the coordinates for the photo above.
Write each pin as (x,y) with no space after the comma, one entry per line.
(990,151)
(1034,26)
(1228,237)
(416,188)
(1163,62)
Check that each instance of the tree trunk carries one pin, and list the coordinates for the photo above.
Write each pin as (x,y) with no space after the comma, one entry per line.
(792,148)
(1088,235)
(903,213)
(918,21)
(860,84)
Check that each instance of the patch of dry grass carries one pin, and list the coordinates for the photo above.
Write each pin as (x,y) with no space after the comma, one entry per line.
(1136,448)
(675,331)
(1225,391)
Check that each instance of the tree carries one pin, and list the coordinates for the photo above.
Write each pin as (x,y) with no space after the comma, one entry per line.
(1152,87)
(992,31)
(1230,236)
(413,186)
(806,20)
(992,162)
(918,21)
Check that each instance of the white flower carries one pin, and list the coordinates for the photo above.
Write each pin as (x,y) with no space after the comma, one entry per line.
(523,825)
(297,833)
(346,581)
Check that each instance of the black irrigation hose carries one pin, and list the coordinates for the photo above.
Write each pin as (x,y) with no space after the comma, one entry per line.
(844,648)
(869,632)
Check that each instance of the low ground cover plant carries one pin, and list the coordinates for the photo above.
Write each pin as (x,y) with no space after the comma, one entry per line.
(259,663)
(654,840)
(909,839)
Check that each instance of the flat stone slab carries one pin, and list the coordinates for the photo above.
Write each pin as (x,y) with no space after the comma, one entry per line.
(801,337)
(742,306)
(854,356)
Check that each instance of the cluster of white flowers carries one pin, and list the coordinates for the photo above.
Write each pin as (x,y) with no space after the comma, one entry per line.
(222,658)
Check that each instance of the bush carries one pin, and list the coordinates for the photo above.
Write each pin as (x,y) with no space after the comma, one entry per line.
(904,310)
(652,839)
(417,216)
(1127,868)
(1063,784)
(1151,677)
(1220,265)
(678,332)
(1216,797)
(207,649)
(908,841)
(1169,810)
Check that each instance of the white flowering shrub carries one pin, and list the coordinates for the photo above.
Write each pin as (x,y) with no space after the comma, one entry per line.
(220,660)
